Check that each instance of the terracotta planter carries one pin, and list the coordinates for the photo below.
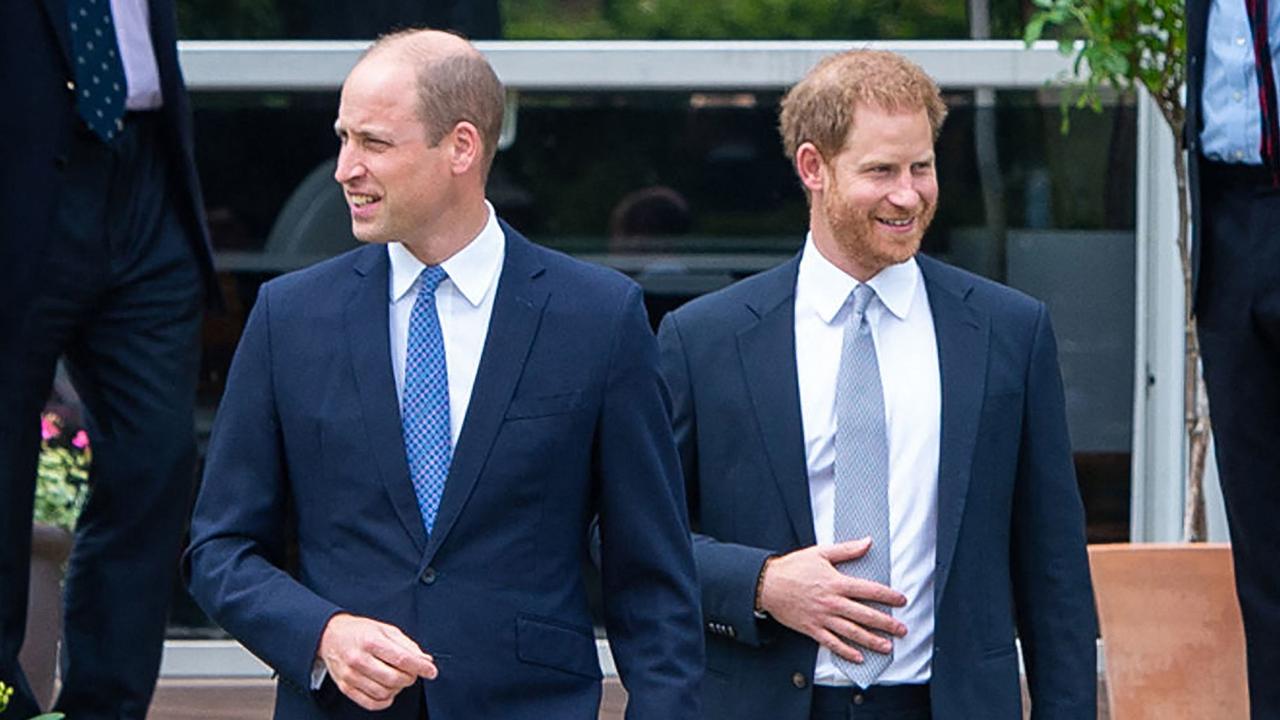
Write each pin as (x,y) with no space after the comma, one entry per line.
(1171,630)
(50,547)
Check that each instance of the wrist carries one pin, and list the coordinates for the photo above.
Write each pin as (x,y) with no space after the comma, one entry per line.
(758,607)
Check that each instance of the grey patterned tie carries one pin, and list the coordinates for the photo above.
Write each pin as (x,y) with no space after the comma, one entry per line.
(862,468)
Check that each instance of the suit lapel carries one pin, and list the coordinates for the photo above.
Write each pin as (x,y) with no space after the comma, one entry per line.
(57,11)
(517,310)
(768,351)
(962,335)
(369,342)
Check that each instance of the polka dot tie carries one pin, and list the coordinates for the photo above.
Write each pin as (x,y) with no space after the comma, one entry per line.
(424,411)
(100,83)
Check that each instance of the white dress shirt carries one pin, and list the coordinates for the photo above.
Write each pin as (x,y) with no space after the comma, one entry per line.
(907,353)
(464,303)
(137,55)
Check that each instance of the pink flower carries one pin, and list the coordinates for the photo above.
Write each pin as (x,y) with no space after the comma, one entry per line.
(81,440)
(49,427)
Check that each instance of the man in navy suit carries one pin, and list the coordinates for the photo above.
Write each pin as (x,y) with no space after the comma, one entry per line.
(441,414)
(1233,144)
(104,260)
(862,399)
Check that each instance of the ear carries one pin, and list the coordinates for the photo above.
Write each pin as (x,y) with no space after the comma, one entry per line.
(811,167)
(465,148)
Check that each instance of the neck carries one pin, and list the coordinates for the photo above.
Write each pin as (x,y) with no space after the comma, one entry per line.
(452,231)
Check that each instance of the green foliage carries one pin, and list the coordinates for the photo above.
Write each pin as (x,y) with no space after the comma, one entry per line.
(62,475)
(1120,44)
(229,19)
(733,19)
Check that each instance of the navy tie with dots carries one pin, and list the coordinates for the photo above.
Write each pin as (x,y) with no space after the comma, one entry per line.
(424,411)
(100,82)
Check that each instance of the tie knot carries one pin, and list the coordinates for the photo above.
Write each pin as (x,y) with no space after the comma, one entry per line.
(863,294)
(431,277)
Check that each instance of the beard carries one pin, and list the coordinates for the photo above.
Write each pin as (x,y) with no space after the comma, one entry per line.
(862,239)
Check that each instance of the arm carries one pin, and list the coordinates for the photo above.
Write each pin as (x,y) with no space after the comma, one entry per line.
(647,568)
(1052,590)
(727,572)
(234,564)
(801,590)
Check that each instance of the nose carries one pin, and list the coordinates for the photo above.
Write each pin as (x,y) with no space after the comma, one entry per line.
(349,165)
(907,191)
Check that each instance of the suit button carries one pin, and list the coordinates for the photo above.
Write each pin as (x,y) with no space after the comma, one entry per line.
(71,85)
(799,681)
(429,576)
(858,699)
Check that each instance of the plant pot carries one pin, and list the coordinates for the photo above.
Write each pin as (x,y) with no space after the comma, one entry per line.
(1171,631)
(50,548)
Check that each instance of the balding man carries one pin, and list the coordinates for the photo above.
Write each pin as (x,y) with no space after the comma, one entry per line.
(440,414)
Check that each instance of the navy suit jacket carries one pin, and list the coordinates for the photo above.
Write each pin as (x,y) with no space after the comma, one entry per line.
(568,418)
(37,76)
(1010,536)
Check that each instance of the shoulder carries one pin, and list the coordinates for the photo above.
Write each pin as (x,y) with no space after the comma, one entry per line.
(316,284)
(744,301)
(996,299)
(576,286)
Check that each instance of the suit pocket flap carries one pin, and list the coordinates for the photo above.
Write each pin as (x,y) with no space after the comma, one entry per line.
(529,406)
(554,646)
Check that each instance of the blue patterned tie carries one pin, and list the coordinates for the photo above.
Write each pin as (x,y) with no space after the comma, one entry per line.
(100,82)
(862,468)
(424,411)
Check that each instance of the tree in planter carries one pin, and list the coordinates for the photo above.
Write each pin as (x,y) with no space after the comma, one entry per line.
(1126,44)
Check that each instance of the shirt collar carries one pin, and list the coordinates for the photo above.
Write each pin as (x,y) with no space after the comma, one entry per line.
(471,269)
(825,287)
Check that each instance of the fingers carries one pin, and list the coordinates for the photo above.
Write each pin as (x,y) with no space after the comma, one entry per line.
(403,653)
(865,590)
(837,645)
(371,661)
(845,551)
(851,632)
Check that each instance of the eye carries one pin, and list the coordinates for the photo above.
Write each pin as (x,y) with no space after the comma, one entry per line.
(922,168)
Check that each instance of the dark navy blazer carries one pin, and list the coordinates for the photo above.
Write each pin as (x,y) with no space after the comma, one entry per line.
(568,417)
(1011,546)
(37,79)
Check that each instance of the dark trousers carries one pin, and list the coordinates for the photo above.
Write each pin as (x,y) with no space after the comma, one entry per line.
(119,294)
(890,702)
(1238,312)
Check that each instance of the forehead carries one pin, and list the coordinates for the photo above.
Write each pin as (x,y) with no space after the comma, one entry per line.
(877,130)
(381,90)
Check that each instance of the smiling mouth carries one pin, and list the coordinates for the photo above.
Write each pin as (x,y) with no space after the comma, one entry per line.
(359,200)
(897,223)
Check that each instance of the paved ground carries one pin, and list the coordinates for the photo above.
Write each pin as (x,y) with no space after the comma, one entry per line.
(251,700)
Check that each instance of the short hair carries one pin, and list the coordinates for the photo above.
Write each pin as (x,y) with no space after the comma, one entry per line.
(452,87)
(820,108)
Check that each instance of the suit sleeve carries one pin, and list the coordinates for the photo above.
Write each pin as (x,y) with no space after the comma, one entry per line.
(1052,589)
(234,563)
(647,569)
(727,572)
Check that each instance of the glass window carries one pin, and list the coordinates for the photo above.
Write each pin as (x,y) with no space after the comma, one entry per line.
(687,192)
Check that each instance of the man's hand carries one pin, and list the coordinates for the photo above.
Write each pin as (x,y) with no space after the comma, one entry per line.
(804,591)
(371,661)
